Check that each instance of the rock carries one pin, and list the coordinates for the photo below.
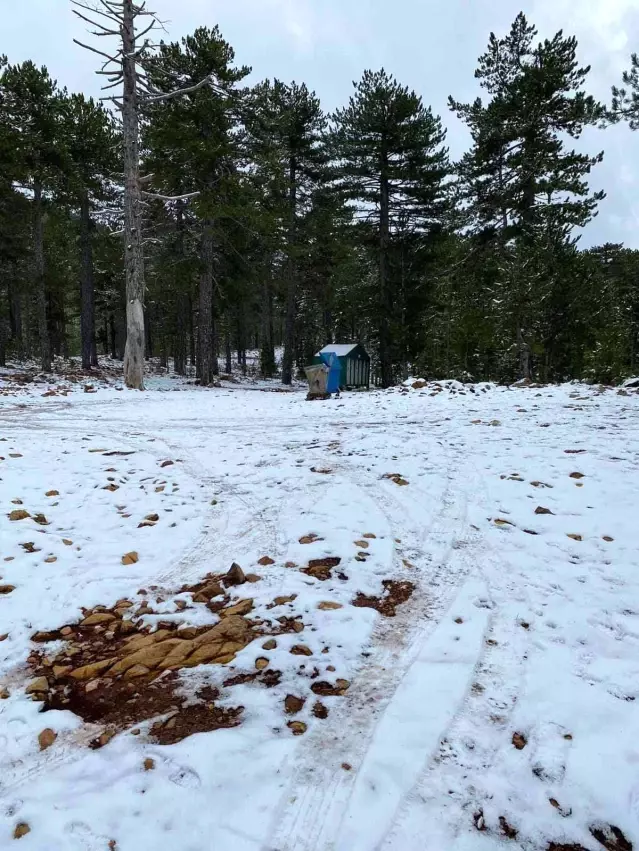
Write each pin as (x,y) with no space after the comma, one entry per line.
(136,671)
(93,670)
(222,642)
(98,618)
(4,636)
(363,545)
(152,518)
(252,577)
(325,689)
(293,705)
(140,640)
(298,626)
(309,539)
(50,560)
(271,644)
(235,575)
(575,537)
(328,605)
(519,741)
(265,561)
(30,547)
(103,739)
(319,710)
(541,510)
(347,766)
(166,464)
(46,738)
(40,684)
(60,671)
(52,493)
(213,589)
(41,519)
(21,830)
(577,476)
(241,608)
(261,662)
(608,539)
(369,535)
(19,514)
(7,589)
(130,558)
(4,693)
(149,764)
(298,728)
(150,657)
(290,564)
(67,542)
(66,630)
(282,601)
(301,650)
(44,636)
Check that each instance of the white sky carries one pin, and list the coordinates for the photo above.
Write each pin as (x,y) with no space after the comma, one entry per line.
(430,45)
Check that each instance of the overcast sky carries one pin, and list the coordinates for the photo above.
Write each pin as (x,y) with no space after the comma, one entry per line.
(429,45)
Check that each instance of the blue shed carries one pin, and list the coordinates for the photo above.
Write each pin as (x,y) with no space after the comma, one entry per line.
(354,360)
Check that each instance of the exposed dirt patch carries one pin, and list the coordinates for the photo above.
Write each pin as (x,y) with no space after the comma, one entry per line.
(320,568)
(395,593)
(611,838)
(202,716)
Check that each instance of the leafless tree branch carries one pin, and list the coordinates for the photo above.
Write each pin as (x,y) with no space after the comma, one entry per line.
(156,197)
(99,52)
(178,92)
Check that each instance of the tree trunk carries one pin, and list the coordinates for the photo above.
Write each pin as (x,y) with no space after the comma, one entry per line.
(385,359)
(133,250)
(525,356)
(291,290)
(182,305)
(191,331)
(40,284)
(205,341)
(87,296)
(267,348)
(112,337)
(228,348)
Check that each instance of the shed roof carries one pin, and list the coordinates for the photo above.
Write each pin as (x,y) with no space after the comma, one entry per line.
(340,349)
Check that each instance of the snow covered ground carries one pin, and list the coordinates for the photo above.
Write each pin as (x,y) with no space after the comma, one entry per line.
(491,703)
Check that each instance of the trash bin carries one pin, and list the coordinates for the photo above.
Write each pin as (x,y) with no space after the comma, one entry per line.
(317,376)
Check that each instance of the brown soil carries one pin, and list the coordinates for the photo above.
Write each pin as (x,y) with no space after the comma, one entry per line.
(320,568)
(611,838)
(200,717)
(395,593)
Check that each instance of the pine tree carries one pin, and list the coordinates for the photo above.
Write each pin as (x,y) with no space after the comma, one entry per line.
(390,160)
(286,129)
(522,186)
(625,100)
(194,152)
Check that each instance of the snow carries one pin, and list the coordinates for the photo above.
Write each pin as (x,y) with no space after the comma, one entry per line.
(506,632)
(340,349)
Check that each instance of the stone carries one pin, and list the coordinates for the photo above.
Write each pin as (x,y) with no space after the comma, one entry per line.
(271,644)
(301,650)
(541,510)
(241,608)
(369,535)
(178,655)
(152,518)
(150,657)
(21,830)
(577,476)
(309,539)
(40,684)
(265,561)
(50,560)
(4,693)
(608,539)
(298,728)
(282,601)
(46,738)
(103,739)
(130,558)
(60,671)
(66,630)
(252,577)
(7,589)
(167,464)
(261,662)
(67,542)
(149,764)
(136,671)
(4,636)
(93,670)
(213,589)
(575,537)
(363,545)
(319,710)
(220,643)
(519,741)
(52,493)
(293,705)
(328,605)
(98,618)
(41,519)
(19,514)
(235,575)
(140,640)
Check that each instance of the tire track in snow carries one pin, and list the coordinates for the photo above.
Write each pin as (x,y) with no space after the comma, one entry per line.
(318,803)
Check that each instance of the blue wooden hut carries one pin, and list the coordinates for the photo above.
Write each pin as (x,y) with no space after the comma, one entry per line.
(354,360)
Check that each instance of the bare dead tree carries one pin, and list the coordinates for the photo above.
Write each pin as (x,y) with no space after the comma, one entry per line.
(125,67)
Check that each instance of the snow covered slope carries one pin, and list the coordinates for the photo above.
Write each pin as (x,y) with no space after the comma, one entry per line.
(444,579)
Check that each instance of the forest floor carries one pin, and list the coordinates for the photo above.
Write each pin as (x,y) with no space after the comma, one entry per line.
(431,642)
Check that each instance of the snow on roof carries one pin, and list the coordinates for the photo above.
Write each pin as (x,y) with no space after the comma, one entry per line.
(340,349)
